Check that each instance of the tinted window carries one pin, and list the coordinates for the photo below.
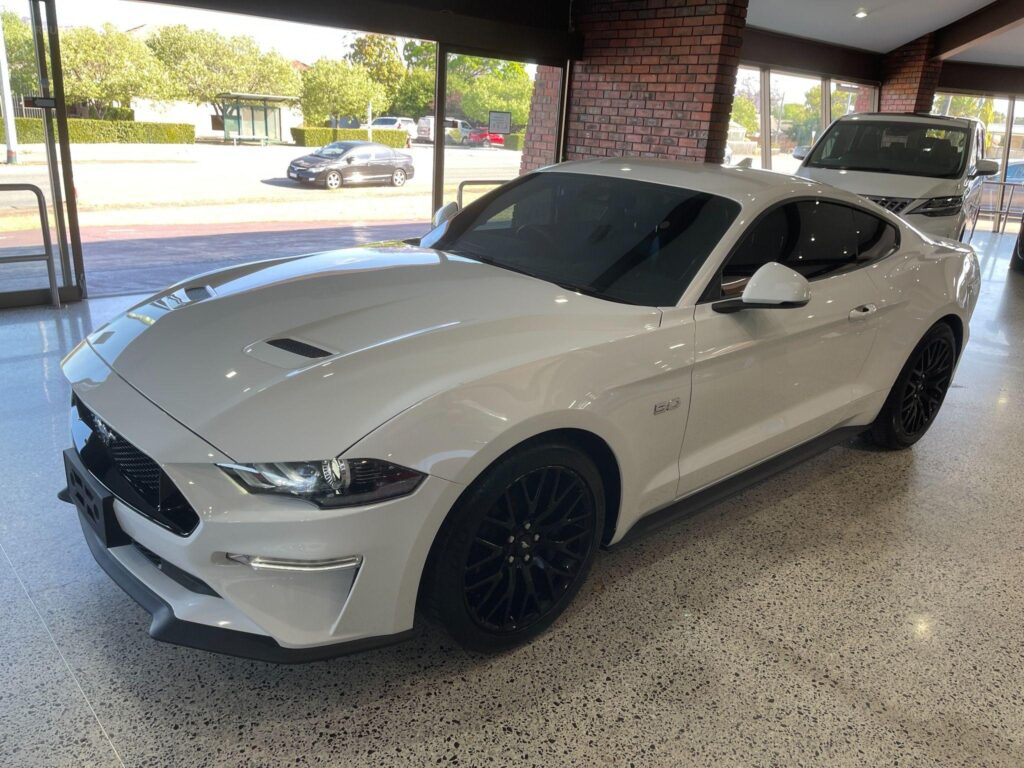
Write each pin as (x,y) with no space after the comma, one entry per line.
(614,238)
(812,237)
(876,239)
(913,149)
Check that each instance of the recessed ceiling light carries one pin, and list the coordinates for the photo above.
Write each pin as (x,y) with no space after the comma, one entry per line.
(860,14)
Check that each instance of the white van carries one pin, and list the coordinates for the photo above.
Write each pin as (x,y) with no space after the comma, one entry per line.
(926,168)
(456,131)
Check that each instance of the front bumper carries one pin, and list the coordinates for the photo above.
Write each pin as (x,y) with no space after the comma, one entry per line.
(302,174)
(948,227)
(267,614)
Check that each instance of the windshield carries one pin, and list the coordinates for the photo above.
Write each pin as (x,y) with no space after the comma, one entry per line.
(911,149)
(613,238)
(337,149)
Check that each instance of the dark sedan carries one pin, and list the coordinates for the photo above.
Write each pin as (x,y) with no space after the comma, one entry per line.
(352,162)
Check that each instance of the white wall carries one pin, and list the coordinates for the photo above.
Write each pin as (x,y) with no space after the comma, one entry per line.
(147,110)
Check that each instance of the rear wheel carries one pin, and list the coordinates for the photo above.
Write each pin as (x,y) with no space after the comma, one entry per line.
(917,395)
(487,144)
(398,177)
(332,180)
(517,547)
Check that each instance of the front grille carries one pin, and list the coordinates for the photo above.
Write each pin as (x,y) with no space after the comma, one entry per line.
(128,473)
(894,204)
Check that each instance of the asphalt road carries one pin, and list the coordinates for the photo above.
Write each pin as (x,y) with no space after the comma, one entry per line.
(145,259)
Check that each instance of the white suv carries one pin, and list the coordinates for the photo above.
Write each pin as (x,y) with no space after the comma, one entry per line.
(406,124)
(925,168)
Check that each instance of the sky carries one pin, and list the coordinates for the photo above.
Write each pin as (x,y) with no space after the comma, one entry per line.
(303,42)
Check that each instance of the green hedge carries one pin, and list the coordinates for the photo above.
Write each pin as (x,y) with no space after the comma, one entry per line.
(317,137)
(83,131)
(515,140)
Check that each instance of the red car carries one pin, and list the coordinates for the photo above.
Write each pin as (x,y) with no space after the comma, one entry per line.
(481,137)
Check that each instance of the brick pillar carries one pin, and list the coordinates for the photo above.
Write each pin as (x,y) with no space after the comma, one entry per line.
(910,77)
(539,145)
(656,78)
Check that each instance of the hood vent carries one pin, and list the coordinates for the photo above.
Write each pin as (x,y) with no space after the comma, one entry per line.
(297,347)
(198,292)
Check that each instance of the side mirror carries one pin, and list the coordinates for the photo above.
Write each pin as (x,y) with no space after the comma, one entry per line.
(800,153)
(444,213)
(773,286)
(349,159)
(986,168)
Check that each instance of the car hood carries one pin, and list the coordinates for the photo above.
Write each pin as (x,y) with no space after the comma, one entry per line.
(883,184)
(307,161)
(386,327)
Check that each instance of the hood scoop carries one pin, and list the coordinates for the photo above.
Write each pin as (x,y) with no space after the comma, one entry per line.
(301,348)
(288,353)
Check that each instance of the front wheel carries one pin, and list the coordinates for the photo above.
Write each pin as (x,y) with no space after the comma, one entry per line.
(332,180)
(516,547)
(917,395)
(398,178)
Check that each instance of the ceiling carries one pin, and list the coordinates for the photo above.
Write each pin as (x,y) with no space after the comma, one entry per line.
(1006,49)
(888,25)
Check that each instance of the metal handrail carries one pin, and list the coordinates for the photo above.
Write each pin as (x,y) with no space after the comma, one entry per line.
(1002,213)
(44,223)
(477,183)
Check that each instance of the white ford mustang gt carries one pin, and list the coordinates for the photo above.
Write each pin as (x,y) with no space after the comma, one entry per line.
(284,459)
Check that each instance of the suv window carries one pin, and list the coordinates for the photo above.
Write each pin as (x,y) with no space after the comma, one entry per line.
(813,237)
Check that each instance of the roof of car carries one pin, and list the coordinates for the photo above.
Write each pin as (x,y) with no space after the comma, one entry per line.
(910,117)
(747,186)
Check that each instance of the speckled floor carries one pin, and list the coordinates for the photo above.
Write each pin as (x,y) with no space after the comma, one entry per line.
(864,609)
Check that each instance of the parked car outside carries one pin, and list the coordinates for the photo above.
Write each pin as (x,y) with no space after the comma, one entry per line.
(406,124)
(287,459)
(456,131)
(927,169)
(352,162)
(482,137)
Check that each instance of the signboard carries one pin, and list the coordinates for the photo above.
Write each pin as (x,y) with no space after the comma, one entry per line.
(40,102)
(499,122)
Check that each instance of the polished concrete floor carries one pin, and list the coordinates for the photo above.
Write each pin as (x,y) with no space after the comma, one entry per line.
(864,609)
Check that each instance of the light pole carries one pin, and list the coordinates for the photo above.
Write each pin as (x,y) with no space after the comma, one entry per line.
(8,106)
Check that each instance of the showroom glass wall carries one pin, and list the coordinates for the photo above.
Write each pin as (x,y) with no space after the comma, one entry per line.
(1003,117)
(775,113)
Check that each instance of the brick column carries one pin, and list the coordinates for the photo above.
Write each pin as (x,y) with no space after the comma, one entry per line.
(539,145)
(656,78)
(910,77)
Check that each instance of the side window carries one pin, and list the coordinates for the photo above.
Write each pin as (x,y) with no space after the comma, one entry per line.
(876,239)
(813,237)
(381,155)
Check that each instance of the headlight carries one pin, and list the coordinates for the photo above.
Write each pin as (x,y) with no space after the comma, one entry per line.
(328,483)
(940,206)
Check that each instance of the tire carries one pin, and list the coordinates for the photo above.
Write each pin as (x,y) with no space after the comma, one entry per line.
(333,180)
(1017,257)
(916,397)
(516,547)
(486,144)
(398,178)
(464,142)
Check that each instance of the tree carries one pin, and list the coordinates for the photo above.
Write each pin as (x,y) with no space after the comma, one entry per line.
(106,66)
(419,54)
(333,88)
(203,64)
(415,97)
(744,112)
(379,55)
(21,54)
(507,91)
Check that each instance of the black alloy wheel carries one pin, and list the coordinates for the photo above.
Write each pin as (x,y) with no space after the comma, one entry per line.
(529,548)
(517,547)
(919,391)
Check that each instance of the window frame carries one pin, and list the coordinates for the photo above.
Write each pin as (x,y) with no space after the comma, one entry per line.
(716,277)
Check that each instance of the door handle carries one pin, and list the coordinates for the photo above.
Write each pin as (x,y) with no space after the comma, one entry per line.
(863,312)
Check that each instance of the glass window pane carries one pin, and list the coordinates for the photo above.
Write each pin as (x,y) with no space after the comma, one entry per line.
(990,110)
(745,121)
(796,117)
(848,98)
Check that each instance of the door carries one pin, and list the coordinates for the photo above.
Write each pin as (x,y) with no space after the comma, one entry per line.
(382,163)
(357,166)
(766,380)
